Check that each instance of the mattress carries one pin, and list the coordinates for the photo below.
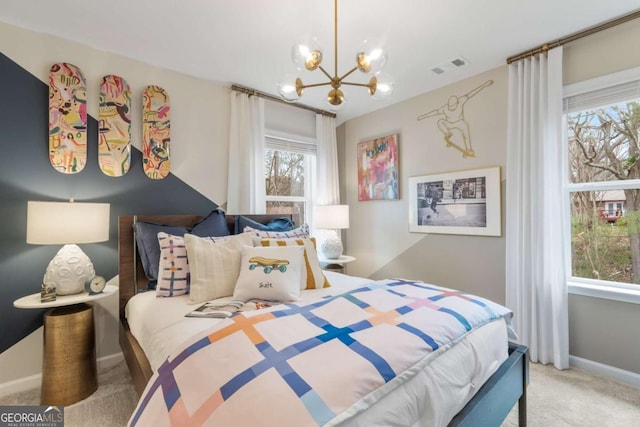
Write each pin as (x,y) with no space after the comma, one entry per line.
(437,392)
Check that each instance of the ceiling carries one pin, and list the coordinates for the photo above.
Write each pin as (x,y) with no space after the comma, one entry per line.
(248,42)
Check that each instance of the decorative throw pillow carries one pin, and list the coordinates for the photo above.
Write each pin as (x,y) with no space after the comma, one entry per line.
(173,270)
(312,276)
(212,225)
(214,264)
(271,274)
(278,224)
(301,232)
(146,233)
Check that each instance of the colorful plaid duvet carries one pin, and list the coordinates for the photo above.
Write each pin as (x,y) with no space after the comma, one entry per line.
(312,364)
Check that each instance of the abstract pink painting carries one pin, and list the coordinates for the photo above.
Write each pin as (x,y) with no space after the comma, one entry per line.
(378,169)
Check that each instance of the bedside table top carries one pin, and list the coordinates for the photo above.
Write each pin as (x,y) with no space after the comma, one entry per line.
(33,300)
(344,259)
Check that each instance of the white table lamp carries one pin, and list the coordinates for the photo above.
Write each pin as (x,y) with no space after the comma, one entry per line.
(67,223)
(332,218)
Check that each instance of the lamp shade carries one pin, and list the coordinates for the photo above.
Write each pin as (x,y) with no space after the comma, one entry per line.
(56,223)
(331,216)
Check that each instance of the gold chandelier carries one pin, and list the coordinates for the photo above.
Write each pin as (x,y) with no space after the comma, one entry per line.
(308,56)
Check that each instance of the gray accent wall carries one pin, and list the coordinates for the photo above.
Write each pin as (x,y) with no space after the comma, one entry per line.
(26,174)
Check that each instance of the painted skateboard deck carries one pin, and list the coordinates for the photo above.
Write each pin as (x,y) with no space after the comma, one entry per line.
(156,132)
(114,126)
(67,118)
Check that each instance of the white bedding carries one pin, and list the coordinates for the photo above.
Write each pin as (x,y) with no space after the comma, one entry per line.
(439,390)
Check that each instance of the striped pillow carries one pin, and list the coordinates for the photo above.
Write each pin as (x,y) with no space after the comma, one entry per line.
(173,270)
(301,232)
(312,277)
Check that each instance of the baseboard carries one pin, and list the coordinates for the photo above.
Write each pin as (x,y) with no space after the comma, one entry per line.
(621,375)
(33,381)
(21,384)
(107,362)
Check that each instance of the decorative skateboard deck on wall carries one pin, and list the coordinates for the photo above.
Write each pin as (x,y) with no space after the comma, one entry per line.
(67,118)
(156,132)
(114,126)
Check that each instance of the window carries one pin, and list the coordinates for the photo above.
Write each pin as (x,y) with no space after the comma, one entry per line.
(289,171)
(603,190)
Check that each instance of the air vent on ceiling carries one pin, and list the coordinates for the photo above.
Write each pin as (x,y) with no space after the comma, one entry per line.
(449,65)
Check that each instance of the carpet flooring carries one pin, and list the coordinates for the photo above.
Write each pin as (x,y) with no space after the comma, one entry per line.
(572,397)
(110,406)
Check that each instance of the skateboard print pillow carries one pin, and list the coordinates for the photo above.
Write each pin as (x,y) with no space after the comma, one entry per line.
(270,273)
(312,276)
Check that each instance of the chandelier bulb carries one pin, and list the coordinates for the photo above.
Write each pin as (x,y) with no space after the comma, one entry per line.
(306,55)
(381,86)
(291,88)
(371,58)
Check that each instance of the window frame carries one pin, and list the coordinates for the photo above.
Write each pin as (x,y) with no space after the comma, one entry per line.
(278,141)
(605,289)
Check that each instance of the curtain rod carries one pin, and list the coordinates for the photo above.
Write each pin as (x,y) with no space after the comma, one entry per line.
(550,45)
(254,92)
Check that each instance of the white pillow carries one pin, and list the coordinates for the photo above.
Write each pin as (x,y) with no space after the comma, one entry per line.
(214,264)
(312,276)
(271,274)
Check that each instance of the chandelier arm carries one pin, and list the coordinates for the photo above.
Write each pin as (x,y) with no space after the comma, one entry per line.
(348,72)
(357,84)
(316,85)
(325,72)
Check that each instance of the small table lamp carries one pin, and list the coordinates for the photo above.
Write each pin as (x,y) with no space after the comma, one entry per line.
(332,218)
(67,223)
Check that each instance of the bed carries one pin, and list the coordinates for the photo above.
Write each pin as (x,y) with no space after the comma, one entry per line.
(489,405)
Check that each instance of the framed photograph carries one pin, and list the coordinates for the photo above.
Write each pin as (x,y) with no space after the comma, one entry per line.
(378,169)
(463,202)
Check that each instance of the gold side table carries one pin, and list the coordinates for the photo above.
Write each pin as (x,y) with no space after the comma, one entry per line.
(69,372)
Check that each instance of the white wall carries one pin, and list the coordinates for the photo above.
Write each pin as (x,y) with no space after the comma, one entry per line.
(378,235)
(602,331)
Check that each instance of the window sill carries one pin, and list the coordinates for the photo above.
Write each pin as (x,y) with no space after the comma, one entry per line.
(631,296)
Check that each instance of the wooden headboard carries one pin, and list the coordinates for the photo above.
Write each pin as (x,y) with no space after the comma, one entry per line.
(130,271)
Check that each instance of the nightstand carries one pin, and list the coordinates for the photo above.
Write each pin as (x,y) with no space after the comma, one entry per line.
(69,372)
(335,264)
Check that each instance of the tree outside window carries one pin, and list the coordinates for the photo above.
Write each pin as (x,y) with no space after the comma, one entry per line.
(604,176)
(285,182)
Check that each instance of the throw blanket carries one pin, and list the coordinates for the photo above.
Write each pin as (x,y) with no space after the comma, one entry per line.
(313,364)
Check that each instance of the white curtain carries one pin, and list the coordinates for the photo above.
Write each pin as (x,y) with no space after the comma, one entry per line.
(536,231)
(327,186)
(246,183)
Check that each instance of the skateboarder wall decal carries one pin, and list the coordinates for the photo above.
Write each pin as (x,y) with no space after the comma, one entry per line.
(453,124)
